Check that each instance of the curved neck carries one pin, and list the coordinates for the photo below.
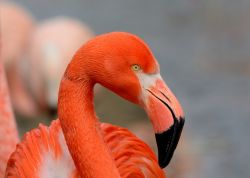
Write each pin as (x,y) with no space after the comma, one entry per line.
(81,129)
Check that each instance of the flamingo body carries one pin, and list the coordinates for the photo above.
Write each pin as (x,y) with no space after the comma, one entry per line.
(44,149)
(133,157)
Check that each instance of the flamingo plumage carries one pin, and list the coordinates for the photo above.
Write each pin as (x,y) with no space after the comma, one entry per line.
(78,145)
(46,146)
(8,132)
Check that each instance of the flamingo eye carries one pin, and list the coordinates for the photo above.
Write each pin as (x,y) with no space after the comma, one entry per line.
(135,67)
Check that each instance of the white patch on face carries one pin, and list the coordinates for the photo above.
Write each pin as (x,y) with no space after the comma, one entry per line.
(61,167)
(147,81)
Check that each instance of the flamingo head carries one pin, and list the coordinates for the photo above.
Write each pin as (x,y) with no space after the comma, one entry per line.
(123,63)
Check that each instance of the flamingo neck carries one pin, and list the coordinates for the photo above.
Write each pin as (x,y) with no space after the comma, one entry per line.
(81,129)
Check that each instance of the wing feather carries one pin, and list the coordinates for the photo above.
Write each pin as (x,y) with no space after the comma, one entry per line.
(44,153)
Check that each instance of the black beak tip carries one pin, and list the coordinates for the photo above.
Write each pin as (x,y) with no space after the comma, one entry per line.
(163,163)
(167,142)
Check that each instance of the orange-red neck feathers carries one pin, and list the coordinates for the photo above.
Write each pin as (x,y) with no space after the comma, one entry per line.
(82,131)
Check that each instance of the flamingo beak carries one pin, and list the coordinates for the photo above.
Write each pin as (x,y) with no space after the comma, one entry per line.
(166,115)
(167,142)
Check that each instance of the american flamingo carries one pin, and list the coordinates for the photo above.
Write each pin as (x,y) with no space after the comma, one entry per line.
(77,144)
(8,132)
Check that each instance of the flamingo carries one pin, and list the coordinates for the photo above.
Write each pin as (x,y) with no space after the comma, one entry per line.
(8,131)
(49,53)
(16,26)
(77,144)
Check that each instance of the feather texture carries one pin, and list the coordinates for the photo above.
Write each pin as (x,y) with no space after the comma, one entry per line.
(44,153)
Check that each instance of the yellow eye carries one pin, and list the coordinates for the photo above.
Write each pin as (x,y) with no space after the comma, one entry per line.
(136,67)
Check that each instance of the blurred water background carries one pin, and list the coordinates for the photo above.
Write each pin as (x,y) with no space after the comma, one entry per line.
(203,48)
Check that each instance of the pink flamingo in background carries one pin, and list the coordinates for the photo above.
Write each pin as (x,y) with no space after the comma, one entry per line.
(8,132)
(16,27)
(52,45)
(79,145)
(35,56)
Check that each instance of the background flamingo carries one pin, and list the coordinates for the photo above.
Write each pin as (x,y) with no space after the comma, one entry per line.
(49,53)
(8,132)
(16,27)
(35,56)
(125,65)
